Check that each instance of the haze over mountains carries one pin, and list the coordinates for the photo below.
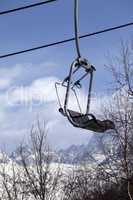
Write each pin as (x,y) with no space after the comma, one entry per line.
(75,154)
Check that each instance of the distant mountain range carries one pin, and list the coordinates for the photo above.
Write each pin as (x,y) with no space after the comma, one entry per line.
(75,154)
(92,152)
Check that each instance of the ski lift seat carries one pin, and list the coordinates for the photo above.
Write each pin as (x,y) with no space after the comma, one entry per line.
(77,119)
(89,122)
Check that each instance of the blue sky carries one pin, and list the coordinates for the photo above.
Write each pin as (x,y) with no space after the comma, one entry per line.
(46,24)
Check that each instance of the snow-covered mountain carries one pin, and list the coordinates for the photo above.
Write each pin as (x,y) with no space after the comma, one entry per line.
(91,152)
(75,154)
(30,157)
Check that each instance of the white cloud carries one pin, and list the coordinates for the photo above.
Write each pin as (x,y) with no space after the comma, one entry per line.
(8,75)
(39,93)
(22,105)
(4,83)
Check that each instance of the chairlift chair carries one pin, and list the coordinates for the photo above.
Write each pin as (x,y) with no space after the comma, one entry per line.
(78,119)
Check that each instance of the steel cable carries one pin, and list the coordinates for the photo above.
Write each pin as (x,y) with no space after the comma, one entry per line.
(25,7)
(66,41)
(76,28)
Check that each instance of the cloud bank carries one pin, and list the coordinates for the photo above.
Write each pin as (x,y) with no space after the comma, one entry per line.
(25,101)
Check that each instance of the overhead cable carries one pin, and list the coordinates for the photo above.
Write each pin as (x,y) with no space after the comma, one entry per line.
(76,26)
(26,7)
(65,41)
